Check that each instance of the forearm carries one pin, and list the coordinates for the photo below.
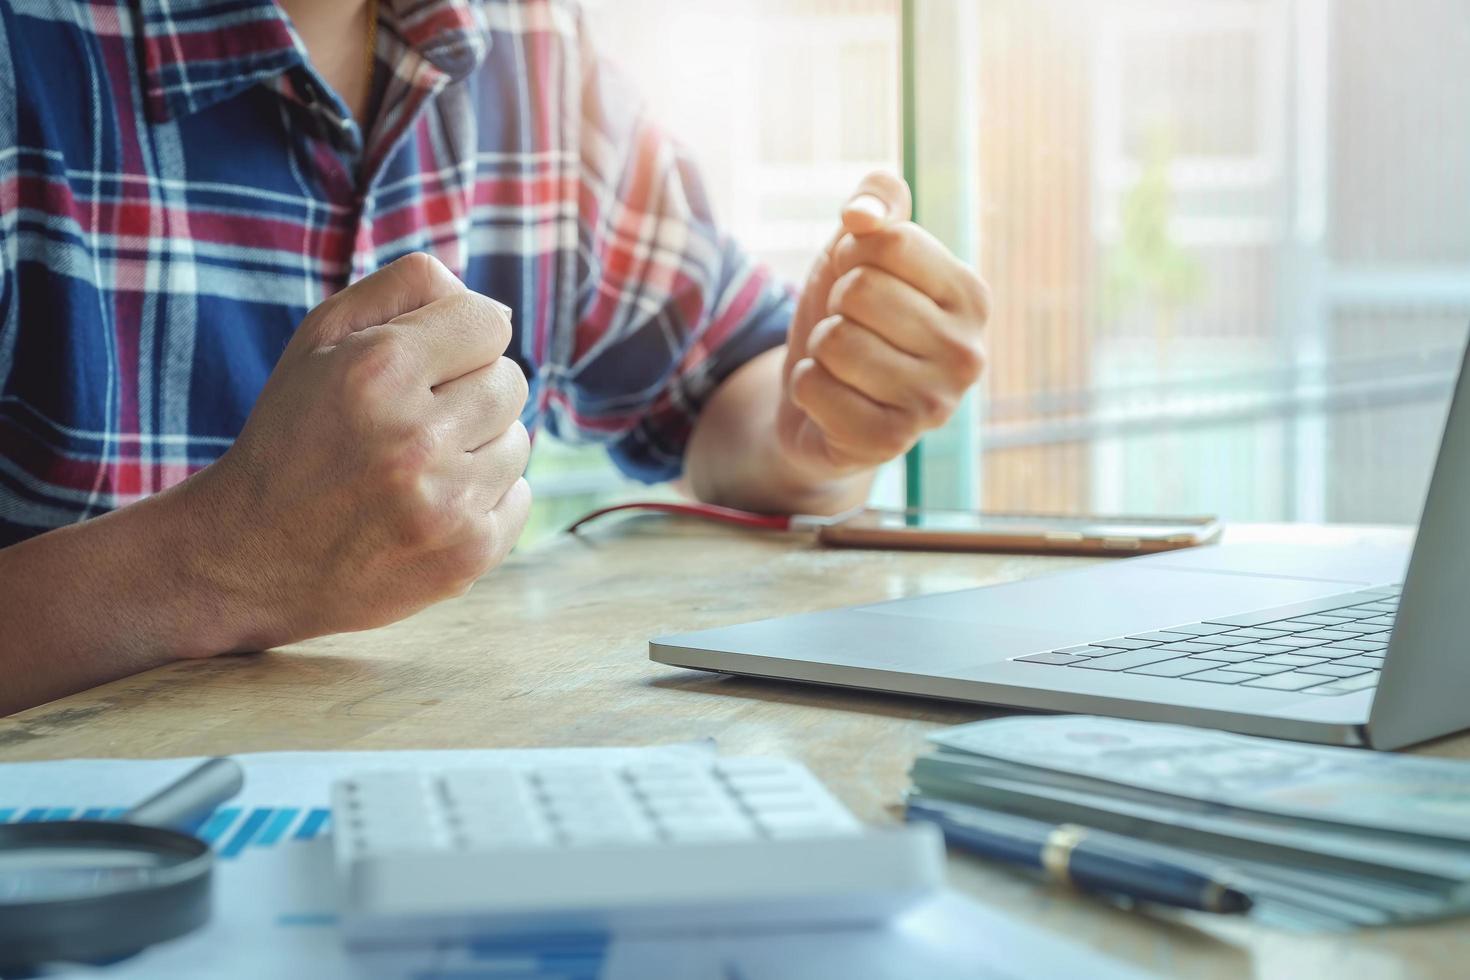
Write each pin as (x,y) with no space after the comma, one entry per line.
(111,596)
(735,456)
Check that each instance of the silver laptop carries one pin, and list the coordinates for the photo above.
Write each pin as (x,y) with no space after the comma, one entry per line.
(1352,645)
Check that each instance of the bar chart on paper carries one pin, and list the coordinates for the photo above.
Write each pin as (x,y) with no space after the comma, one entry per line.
(230,830)
(275,888)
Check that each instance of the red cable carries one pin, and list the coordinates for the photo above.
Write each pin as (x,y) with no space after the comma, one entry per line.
(709,512)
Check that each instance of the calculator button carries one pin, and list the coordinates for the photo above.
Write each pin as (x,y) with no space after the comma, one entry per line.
(799,824)
(484,784)
(571,775)
(558,798)
(490,836)
(761,803)
(664,771)
(694,830)
(591,821)
(785,783)
(569,787)
(676,789)
(403,788)
(713,808)
(619,834)
(731,768)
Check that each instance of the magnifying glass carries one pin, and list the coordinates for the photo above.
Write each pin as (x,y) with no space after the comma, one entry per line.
(89,891)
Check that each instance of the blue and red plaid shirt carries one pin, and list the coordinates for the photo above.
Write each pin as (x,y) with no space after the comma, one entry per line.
(178,187)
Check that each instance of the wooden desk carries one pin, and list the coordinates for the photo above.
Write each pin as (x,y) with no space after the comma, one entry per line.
(551,650)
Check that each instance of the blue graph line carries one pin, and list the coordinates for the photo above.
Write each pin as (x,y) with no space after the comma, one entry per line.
(238,828)
(571,956)
(218,823)
(277,826)
(315,820)
(247,830)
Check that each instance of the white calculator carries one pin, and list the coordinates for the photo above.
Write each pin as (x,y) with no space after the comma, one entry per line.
(646,849)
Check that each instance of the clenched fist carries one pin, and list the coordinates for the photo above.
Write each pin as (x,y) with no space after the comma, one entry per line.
(381,469)
(885,341)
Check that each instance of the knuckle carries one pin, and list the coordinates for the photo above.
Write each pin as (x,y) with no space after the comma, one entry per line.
(845,255)
(376,362)
(425,520)
(894,438)
(421,269)
(897,244)
(855,290)
(847,343)
(469,559)
(516,385)
(407,459)
(828,340)
(805,385)
(486,316)
(933,406)
(979,295)
(967,360)
(520,445)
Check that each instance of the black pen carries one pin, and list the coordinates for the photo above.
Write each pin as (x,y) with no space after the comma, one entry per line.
(1090,860)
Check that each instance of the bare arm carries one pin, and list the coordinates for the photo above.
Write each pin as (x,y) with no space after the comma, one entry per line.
(380,471)
(112,596)
(735,457)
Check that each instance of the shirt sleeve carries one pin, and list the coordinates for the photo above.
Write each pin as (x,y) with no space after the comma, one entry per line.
(667,306)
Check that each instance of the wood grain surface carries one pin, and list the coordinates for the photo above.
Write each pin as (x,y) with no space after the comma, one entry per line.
(552,650)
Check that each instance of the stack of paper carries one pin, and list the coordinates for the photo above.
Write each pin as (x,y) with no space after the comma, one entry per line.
(1321,837)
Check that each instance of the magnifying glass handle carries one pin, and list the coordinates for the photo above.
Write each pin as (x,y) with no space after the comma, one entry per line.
(190,798)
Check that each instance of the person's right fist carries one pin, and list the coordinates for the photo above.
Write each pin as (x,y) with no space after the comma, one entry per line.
(381,468)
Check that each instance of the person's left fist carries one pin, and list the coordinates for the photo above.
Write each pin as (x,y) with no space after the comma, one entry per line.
(886,338)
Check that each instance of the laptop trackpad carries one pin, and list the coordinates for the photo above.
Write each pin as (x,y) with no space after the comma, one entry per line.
(1110,600)
(1358,564)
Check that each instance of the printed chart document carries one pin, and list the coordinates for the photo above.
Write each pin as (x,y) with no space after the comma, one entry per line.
(275,903)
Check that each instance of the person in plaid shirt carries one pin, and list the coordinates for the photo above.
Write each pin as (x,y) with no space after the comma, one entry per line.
(253,386)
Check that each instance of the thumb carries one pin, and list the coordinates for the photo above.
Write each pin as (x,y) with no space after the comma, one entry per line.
(882,199)
(404,285)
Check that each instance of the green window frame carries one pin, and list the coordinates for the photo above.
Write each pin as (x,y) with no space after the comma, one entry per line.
(939,80)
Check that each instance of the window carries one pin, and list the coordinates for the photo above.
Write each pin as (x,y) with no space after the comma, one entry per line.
(786,104)
(1229,240)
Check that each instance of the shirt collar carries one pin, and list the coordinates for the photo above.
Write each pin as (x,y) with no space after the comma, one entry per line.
(199,52)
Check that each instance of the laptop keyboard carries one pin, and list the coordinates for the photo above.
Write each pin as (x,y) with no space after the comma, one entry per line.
(1333,645)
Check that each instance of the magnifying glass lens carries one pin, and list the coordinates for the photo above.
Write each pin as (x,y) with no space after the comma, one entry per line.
(49,874)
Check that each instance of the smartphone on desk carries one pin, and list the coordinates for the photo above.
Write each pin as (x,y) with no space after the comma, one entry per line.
(1047,534)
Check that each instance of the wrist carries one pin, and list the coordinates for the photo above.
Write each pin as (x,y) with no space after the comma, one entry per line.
(215,569)
(819,487)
